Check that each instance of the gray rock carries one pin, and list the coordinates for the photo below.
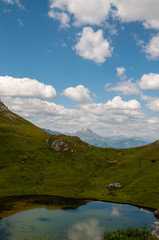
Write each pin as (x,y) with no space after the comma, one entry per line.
(22,162)
(156,232)
(156,213)
(116,185)
(59,145)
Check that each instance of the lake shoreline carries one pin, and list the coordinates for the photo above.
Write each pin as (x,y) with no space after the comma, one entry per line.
(48,198)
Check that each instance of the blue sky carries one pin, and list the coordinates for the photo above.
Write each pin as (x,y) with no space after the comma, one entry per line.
(70,64)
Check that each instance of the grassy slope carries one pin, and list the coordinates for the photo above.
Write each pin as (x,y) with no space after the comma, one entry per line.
(81,174)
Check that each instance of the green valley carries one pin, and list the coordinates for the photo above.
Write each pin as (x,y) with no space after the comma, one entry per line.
(34,162)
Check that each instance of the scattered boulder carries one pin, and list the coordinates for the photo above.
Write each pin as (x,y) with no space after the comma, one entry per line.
(113,161)
(156,232)
(24,159)
(22,162)
(114,185)
(156,213)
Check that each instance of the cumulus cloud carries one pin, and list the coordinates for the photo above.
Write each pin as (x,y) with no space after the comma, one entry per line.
(93,46)
(152,48)
(154,23)
(106,119)
(34,107)
(95,12)
(61,16)
(149,81)
(118,103)
(120,71)
(154,105)
(92,12)
(133,10)
(114,111)
(125,87)
(106,116)
(25,87)
(78,94)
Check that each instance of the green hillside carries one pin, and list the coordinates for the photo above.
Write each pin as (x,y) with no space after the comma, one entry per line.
(34,162)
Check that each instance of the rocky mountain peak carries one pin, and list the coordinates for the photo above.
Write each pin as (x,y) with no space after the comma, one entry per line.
(6,112)
(3,108)
(85,130)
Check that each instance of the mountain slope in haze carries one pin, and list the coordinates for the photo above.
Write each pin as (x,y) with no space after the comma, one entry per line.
(34,162)
(94,139)
(86,135)
(52,132)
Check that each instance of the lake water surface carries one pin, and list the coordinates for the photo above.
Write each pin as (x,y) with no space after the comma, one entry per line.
(66,219)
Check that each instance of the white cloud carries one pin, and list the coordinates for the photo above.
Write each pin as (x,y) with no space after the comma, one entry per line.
(125,87)
(154,105)
(153,120)
(115,110)
(111,118)
(118,103)
(20,22)
(92,12)
(149,81)
(34,107)
(152,24)
(93,46)
(14,2)
(120,71)
(61,16)
(78,94)
(96,12)
(145,11)
(111,28)
(152,48)
(25,87)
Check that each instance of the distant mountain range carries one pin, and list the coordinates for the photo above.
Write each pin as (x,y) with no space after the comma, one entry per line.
(85,134)
(52,132)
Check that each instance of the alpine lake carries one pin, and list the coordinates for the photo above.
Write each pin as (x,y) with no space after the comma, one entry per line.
(66,219)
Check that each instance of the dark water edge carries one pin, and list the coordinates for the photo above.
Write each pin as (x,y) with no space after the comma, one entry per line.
(67,218)
(12,205)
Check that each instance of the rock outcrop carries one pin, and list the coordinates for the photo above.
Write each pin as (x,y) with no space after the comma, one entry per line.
(59,145)
(156,213)
(156,232)
(66,143)
(6,112)
(114,185)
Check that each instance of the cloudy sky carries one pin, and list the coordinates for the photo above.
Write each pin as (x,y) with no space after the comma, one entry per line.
(70,64)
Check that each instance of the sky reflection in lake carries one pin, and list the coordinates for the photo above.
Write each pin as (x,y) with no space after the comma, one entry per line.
(88,221)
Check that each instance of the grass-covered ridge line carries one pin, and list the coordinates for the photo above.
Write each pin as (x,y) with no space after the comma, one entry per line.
(30,165)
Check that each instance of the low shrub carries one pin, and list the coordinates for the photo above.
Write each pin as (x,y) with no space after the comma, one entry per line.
(130,234)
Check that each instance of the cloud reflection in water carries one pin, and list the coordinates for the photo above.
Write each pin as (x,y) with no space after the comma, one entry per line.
(115,211)
(89,230)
